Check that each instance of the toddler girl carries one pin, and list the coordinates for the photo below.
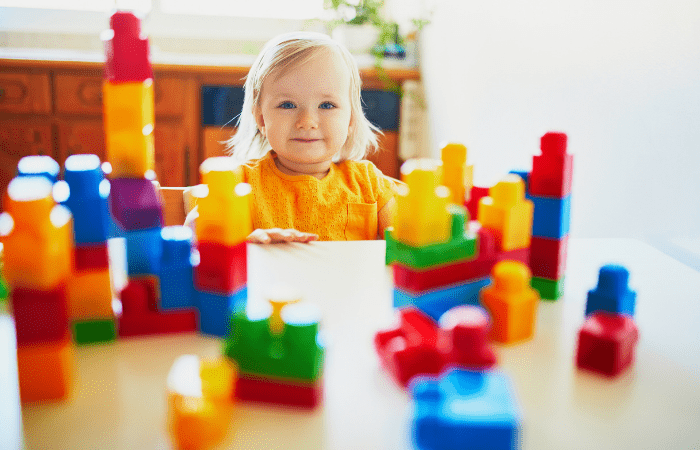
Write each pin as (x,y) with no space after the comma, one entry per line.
(301,137)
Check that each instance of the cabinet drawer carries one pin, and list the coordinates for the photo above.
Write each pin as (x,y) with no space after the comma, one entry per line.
(25,93)
(78,94)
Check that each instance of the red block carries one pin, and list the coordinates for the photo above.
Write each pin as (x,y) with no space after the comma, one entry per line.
(140,315)
(419,347)
(552,170)
(417,281)
(606,343)
(282,392)
(519,254)
(222,268)
(473,204)
(548,257)
(40,317)
(126,51)
(91,257)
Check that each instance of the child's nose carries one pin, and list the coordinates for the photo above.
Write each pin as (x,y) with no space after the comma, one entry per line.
(307,119)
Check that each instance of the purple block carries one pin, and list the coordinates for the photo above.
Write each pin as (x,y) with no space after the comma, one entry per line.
(135,205)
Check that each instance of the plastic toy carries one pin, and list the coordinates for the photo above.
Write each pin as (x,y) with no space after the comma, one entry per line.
(456,174)
(176,271)
(548,257)
(507,213)
(215,310)
(126,49)
(222,268)
(45,371)
(465,410)
(40,316)
(511,302)
(135,205)
(606,343)
(35,165)
(144,250)
(552,170)
(91,257)
(436,302)
(612,293)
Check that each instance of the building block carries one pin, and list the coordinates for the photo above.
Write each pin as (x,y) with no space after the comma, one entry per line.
(436,302)
(200,401)
(225,220)
(465,410)
(3,285)
(460,246)
(475,196)
(421,216)
(294,354)
(215,310)
(221,174)
(91,257)
(90,295)
(40,317)
(222,268)
(548,289)
(612,294)
(129,120)
(176,277)
(45,371)
(37,236)
(511,302)
(456,174)
(276,391)
(36,165)
(548,257)
(552,218)
(144,249)
(126,49)
(87,198)
(606,343)
(94,331)
(508,213)
(417,346)
(553,169)
(135,205)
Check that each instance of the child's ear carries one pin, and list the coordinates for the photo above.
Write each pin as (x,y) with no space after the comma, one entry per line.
(259,120)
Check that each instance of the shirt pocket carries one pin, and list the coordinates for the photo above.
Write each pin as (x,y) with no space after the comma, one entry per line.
(362,222)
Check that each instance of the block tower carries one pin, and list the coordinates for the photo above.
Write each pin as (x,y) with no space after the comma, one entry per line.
(134,201)
(37,235)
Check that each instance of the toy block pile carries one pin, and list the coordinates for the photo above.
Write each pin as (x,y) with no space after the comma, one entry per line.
(37,236)
(278,351)
(609,335)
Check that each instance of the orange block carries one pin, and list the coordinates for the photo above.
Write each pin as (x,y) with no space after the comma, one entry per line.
(507,213)
(45,371)
(90,295)
(511,302)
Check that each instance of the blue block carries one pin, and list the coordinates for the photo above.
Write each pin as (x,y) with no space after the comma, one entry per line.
(436,302)
(88,199)
(215,310)
(552,216)
(176,277)
(42,166)
(465,410)
(143,251)
(612,293)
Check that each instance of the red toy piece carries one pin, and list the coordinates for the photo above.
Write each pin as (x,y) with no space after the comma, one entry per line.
(548,257)
(552,170)
(222,268)
(40,317)
(419,347)
(279,392)
(127,52)
(606,343)
(475,195)
(90,257)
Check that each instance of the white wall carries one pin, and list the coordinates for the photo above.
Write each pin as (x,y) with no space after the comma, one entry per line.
(620,77)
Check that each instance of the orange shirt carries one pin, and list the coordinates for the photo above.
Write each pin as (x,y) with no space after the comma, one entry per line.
(341,206)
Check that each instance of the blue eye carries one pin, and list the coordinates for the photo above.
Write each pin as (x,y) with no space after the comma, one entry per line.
(286,105)
(327,105)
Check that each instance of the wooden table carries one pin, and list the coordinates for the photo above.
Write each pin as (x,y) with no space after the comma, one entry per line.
(119,397)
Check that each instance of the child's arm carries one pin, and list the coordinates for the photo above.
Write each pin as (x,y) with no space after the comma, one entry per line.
(277,235)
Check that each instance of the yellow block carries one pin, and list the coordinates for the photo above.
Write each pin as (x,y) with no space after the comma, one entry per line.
(456,174)
(224,219)
(129,119)
(221,174)
(90,295)
(421,216)
(511,302)
(45,371)
(508,213)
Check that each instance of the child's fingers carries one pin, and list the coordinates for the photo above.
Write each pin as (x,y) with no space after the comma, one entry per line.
(277,235)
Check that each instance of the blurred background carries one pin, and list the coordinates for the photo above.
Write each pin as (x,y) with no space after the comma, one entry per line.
(620,77)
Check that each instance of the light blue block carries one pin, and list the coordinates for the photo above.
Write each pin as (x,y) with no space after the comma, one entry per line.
(215,310)
(465,410)
(436,302)
(143,251)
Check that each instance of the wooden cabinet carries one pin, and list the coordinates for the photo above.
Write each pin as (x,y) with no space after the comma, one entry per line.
(22,92)
(19,138)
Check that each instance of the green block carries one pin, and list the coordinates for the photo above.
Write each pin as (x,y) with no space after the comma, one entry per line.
(94,331)
(548,289)
(4,291)
(293,354)
(461,246)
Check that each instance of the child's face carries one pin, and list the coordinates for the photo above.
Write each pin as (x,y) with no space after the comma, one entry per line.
(306,113)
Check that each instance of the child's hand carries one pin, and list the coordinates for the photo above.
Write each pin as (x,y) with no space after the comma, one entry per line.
(277,235)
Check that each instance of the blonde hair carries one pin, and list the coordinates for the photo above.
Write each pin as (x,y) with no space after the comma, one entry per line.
(277,56)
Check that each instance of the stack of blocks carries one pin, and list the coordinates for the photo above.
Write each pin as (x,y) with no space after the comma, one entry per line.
(608,337)
(38,264)
(278,351)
